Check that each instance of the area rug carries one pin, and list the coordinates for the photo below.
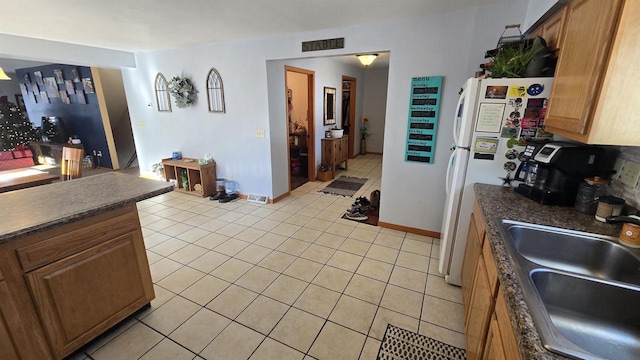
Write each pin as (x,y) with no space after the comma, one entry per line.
(404,344)
(344,186)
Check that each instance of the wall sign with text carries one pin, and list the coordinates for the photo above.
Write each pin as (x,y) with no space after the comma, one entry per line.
(424,108)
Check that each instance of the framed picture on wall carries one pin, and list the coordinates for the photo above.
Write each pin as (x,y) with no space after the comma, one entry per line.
(59,77)
(87,84)
(20,102)
(51,86)
(80,96)
(75,74)
(38,75)
(329,106)
(71,89)
(45,97)
(65,97)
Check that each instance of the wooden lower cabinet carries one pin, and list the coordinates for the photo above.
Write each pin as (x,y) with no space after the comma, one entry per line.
(83,295)
(480,310)
(493,348)
(488,330)
(7,348)
(65,286)
(335,151)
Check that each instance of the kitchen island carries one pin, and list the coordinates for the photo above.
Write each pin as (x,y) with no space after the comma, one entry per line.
(497,203)
(72,262)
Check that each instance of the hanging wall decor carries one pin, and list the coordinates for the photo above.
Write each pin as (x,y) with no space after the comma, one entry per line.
(183,91)
(215,92)
(162,93)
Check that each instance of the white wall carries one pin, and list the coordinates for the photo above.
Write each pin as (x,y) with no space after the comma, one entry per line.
(448,44)
(535,10)
(375,106)
(328,72)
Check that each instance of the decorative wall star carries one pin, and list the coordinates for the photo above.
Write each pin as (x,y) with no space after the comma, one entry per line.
(506,181)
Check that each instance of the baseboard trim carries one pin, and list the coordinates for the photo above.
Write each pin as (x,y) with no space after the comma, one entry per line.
(275,200)
(412,230)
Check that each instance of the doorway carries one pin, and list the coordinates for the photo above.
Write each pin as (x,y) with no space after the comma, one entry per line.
(299,88)
(349,85)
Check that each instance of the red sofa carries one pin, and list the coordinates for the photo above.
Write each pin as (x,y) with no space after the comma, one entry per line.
(19,158)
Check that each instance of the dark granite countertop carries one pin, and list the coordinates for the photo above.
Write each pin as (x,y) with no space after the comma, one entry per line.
(39,208)
(496,203)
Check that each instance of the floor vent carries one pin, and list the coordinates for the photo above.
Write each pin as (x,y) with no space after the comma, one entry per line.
(260,199)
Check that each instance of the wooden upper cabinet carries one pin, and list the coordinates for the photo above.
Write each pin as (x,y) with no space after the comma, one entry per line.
(596,75)
(551,30)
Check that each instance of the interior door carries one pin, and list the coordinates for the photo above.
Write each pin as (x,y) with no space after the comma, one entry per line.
(349,86)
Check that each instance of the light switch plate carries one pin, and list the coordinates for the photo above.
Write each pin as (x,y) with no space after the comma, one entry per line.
(260,133)
(630,173)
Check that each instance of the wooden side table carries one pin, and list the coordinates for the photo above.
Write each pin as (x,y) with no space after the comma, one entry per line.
(335,152)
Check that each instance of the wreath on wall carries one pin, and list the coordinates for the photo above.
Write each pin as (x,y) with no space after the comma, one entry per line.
(183,91)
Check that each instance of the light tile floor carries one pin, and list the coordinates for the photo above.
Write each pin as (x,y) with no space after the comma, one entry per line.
(290,280)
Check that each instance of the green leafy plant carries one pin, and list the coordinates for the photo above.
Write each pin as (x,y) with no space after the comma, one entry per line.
(156,168)
(512,61)
(183,91)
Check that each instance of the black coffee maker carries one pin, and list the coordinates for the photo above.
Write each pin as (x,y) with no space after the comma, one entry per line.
(552,175)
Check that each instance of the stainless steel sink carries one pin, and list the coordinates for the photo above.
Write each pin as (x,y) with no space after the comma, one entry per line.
(583,290)
(580,253)
(599,317)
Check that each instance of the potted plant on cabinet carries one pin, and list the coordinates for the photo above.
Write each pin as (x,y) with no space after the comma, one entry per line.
(336,133)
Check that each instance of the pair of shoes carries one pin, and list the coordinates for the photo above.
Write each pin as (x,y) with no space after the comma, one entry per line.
(357,215)
(228,197)
(218,196)
(360,205)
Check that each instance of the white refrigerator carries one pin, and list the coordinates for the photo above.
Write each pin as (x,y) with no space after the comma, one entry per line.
(493,120)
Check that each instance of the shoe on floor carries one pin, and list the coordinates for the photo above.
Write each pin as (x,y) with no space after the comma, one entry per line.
(217,196)
(228,197)
(358,216)
(360,203)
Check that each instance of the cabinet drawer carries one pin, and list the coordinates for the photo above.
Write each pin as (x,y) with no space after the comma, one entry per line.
(69,239)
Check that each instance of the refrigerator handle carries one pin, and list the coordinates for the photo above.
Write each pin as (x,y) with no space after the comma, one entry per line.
(449,170)
(456,118)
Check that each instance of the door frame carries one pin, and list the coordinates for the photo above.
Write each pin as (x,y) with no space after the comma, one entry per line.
(311,145)
(352,113)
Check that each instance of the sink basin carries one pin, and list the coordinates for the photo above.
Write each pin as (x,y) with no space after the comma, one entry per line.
(582,289)
(599,317)
(570,251)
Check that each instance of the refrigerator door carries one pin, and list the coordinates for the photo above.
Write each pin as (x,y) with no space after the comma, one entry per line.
(463,121)
(456,172)
(489,167)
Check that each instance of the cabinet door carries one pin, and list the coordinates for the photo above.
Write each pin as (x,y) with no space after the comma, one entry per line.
(493,349)
(7,350)
(83,295)
(588,34)
(482,303)
(507,335)
(551,30)
(469,264)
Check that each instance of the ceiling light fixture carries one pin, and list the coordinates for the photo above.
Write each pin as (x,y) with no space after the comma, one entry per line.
(367,59)
(3,76)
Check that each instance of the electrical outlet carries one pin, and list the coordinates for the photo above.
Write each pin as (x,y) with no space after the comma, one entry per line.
(99,153)
(618,168)
(260,133)
(630,173)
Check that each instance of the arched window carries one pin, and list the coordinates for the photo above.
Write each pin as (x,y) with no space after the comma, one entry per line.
(162,93)
(215,91)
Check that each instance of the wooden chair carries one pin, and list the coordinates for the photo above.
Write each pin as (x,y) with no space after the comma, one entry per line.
(71,166)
